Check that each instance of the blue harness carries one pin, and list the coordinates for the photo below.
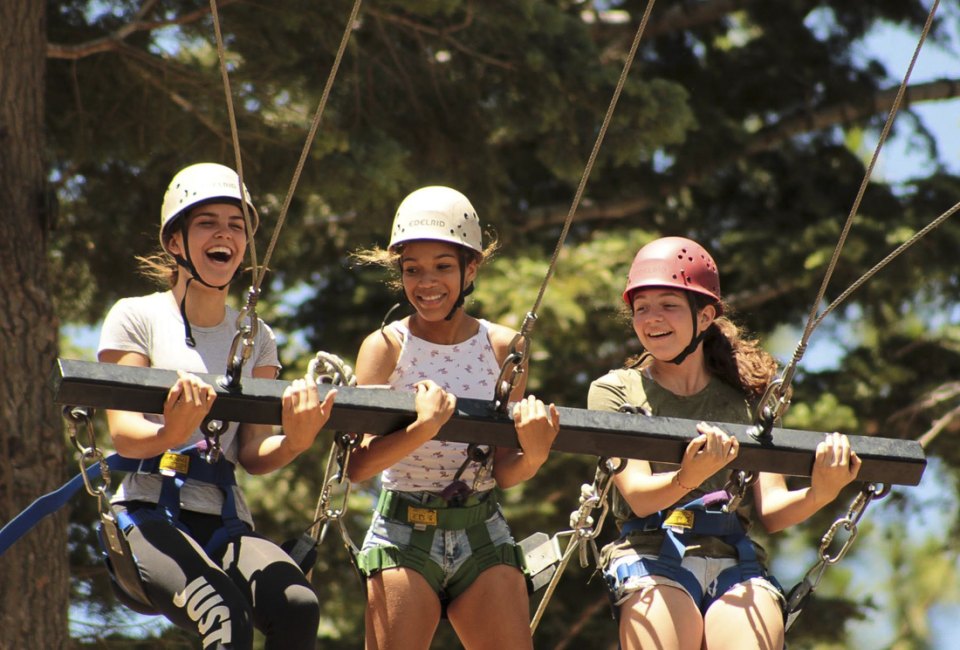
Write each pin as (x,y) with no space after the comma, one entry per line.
(175,468)
(703,516)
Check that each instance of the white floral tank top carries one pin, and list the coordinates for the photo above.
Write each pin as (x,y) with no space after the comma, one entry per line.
(468,370)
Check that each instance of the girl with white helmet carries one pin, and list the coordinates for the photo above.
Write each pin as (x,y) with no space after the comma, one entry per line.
(438,542)
(185,519)
(685,573)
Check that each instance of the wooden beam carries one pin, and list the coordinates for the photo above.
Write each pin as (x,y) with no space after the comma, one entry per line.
(381,411)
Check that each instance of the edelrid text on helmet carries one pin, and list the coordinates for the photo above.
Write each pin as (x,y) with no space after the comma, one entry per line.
(437,213)
(197,184)
(675,262)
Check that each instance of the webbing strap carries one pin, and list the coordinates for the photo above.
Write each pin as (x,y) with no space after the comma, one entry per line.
(393,505)
(219,474)
(49,503)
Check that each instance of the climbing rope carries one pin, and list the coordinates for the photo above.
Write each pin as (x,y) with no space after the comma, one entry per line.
(246,333)
(519,350)
(776,401)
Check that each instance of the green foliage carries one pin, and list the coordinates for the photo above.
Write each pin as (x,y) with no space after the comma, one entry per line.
(503,100)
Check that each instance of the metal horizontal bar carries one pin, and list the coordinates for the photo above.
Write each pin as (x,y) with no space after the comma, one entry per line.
(381,411)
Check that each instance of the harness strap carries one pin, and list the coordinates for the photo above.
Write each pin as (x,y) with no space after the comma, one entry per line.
(176,468)
(220,474)
(436,513)
(681,525)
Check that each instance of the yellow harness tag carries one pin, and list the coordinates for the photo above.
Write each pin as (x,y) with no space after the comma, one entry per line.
(679,519)
(422,516)
(171,464)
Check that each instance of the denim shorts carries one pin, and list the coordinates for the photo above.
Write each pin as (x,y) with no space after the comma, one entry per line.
(704,569)
(451,564)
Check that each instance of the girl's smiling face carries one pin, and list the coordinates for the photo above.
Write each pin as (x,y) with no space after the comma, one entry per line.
(661,319)
(430,271)
(217,237)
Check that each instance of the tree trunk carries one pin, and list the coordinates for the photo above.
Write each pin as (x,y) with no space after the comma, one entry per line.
(34,592)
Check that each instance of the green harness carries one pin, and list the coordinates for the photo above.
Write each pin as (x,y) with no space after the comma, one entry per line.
(425,518)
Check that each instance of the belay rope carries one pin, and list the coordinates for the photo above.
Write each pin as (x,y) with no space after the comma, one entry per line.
(540,554)
(243,342)
(776,398)
(519,352)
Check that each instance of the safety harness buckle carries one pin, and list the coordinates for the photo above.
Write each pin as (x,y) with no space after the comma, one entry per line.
(679,520)
(172,463)
(421,516)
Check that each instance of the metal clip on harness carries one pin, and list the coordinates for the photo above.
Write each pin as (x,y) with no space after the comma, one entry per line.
(584,529)
(326,368)
(121,560)
(242,346)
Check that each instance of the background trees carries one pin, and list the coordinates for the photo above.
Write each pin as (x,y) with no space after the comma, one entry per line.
(740,126)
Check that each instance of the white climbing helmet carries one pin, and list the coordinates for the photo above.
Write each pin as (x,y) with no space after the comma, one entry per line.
(437,213)
(201,183)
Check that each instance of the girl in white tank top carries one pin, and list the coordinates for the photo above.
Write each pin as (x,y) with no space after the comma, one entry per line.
(426,551)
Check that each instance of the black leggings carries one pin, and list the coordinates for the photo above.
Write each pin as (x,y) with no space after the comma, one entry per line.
(248,582)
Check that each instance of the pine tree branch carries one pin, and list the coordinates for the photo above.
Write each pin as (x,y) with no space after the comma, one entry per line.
(763,140)
(114,41)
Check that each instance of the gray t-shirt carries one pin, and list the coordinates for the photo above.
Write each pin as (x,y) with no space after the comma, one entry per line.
(151,325)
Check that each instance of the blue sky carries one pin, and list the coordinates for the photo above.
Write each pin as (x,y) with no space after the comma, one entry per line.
(894,46)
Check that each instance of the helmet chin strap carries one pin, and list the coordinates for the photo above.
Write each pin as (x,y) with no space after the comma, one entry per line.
(697,336)
(463,292)
(187,263)
(460,300)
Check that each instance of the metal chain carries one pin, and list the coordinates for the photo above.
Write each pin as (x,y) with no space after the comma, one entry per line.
(802,591)
(584,527)
(338,463)
(505,384)
(736,487)
(80,417)
(326,368)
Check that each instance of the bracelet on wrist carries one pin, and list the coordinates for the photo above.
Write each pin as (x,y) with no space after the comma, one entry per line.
(676,479)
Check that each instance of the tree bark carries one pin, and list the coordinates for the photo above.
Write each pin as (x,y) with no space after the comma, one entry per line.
(34,592)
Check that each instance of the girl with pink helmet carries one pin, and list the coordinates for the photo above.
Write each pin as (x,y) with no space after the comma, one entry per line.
(685,573)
